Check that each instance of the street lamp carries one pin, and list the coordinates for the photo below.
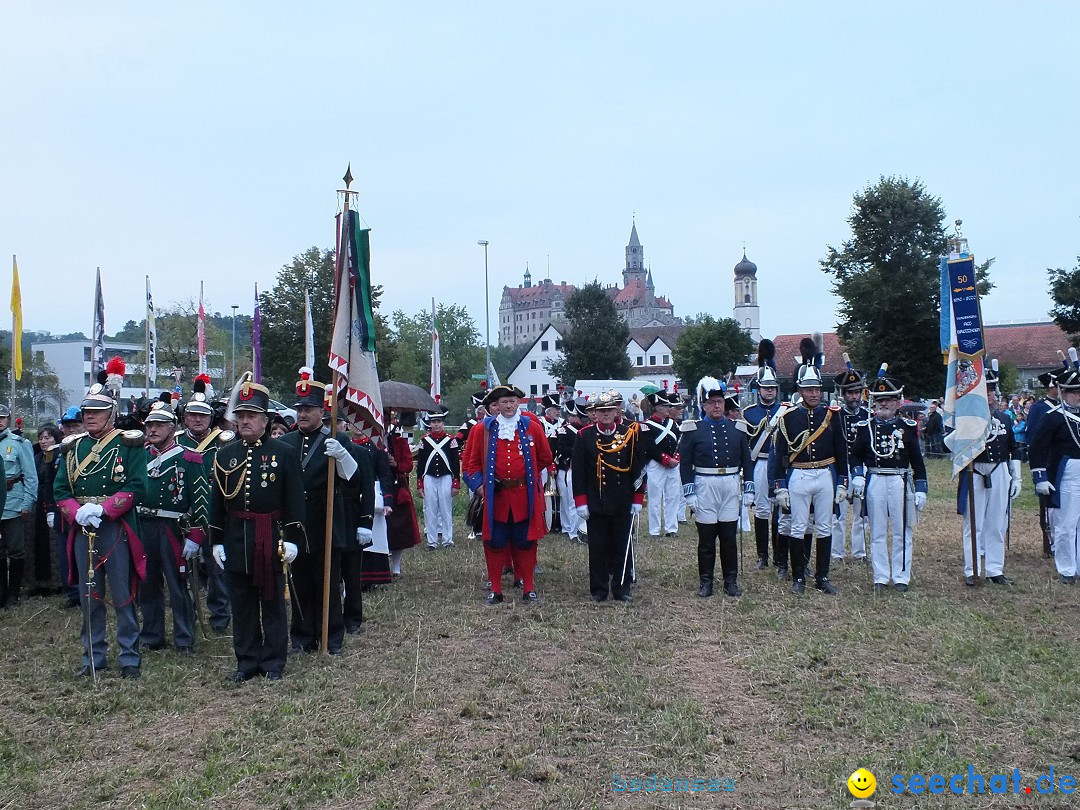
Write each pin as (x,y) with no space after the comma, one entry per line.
(487,314)
(234,308)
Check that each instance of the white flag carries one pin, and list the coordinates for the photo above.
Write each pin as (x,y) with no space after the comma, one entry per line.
(309,332)
(435,388)
(151,339)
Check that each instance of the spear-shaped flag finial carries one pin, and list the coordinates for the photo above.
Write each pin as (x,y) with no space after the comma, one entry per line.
(348,178)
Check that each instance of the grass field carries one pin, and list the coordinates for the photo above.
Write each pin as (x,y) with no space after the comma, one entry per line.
(443,702)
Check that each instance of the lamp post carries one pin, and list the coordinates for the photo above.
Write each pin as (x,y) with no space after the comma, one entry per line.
(487,314)
(234,308)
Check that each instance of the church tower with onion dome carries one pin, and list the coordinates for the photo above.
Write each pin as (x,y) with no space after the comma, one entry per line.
(746,311)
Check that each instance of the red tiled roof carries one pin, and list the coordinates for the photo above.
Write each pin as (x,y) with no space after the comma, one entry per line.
(1028,346)
(647,335)
(539,291)
(787,350)
(632,293)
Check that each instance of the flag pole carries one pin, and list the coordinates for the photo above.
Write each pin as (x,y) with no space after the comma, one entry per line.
(14,337)
(146,364)
(331,466)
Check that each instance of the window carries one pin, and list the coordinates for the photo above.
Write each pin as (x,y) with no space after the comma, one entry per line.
(640,360)
(532,364)
(545,388)
(532,390)
(652,359)
(558,345)
(543,345)
(667,359)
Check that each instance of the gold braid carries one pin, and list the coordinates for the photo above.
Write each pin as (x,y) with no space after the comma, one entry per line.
(618,443)
(220,480)
(801,440)
(752,431)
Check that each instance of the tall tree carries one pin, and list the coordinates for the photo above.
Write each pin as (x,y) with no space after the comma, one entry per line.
(1065,292)
(38,395)
(594,344)
(887,279)
(710,347)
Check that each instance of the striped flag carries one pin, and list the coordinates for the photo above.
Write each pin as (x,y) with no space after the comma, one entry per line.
(16,321)
(352,345)
(202,332)
(435,388)
(967,411)
(97,332)
(309,332)
(151,339)
(256,340)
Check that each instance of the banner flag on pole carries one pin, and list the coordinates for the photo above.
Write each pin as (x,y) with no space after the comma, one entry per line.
(493,375)
(256,340)
(16,321)
(436,360)
(967,409)
(202,332)
(352,345)
(151,337)
(97,331)
(309,332)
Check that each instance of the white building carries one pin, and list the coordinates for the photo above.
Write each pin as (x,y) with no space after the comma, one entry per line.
(531,374)
(746,311)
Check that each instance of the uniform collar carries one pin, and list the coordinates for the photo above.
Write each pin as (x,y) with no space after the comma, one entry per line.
(155,452)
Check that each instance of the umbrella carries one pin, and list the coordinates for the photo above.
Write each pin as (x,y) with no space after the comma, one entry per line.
(649,388)
(399,396)
(913,407)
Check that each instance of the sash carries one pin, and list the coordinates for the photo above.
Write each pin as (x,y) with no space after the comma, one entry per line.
(319,438)
(665,430)
(813,436)
(437,449)
(158,460)
(93,455)
(201,446)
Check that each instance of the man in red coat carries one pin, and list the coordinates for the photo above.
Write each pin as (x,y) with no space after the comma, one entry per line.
(506,460)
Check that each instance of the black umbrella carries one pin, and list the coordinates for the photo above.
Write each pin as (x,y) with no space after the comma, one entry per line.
(399,396)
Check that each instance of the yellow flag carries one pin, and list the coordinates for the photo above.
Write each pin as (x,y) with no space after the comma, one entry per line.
(16,321)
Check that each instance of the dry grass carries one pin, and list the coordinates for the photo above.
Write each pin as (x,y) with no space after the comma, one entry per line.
(538,706)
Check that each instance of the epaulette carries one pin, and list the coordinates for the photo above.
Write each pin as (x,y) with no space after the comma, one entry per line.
(68,442)
(909,422)
(226,436)
(178,432)
(192,456)
(688,425)
(863,423)
(133,438)
(742,425)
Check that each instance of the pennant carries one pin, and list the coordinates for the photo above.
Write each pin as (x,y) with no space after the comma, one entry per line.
(16,321)
(256,341)
(151,339)
(202,332)
(492,375)
(97,332)
(435,388)
(309,332)
(352,345)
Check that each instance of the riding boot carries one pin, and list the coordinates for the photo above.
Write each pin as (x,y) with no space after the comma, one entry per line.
(781,543)
(15,573)
(797,549)
(808,551)
(824,554)
(706,557)
(729,558)
(761,537)
(3,581)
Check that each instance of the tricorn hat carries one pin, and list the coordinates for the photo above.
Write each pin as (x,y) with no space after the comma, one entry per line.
(505,390)
(551,401)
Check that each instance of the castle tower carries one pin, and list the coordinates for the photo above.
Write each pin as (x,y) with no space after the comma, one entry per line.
(746,310)
(635,259)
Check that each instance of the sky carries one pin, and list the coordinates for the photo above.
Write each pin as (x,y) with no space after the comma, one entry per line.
(205,141)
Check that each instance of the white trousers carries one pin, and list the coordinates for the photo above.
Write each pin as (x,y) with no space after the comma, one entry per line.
(762,505)
(991,518)
(1065,523)
(567,511)
(858,529)
(811,487)
(438,509)
(663,484)
(885,496)
(719,498)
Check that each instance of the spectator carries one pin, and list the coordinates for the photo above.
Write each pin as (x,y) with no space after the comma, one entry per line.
(934,431)
(1020,433)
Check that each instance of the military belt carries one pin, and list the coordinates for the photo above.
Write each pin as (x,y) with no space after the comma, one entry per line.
(11,482)
(161,513)
(509,483)
(812,465)
(92,499)
(717,470)
(887,470)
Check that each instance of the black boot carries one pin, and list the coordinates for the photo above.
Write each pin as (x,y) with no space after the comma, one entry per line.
(729,558)
(3,582)
(798,566)
(824,555)
(15,572)
(706,557)
(781,543)
(761,537)
(808,545)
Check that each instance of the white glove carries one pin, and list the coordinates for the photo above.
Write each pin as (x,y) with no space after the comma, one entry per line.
(841,494)
(290,552)
(783,499)
(691,502)
(219,556)
(583,512)
(363,536)
(748,498)
(346,464)
(635,508)
(50,519)
(1014,484)
(1044,488)
(920,500)
(87,513)
(387,511)
(858,486)
(191,550)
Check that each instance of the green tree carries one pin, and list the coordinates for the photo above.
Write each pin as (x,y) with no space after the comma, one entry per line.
(1065,292)
(887,279)
(38,394)
(506,358)
(594,343)
(710,347)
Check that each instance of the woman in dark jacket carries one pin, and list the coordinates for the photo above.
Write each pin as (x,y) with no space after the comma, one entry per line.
(47,458)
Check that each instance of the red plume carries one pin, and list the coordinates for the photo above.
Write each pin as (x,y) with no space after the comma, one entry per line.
(116,366)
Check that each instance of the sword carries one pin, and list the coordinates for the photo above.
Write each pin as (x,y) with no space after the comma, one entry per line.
(629,549)
(1008,523)
(903,566)
(91,536)
(290,586)
(191,578)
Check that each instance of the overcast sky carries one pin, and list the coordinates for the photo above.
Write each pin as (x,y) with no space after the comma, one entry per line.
(205,141)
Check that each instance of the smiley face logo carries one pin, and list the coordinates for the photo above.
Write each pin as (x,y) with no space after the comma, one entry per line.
(862,784)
